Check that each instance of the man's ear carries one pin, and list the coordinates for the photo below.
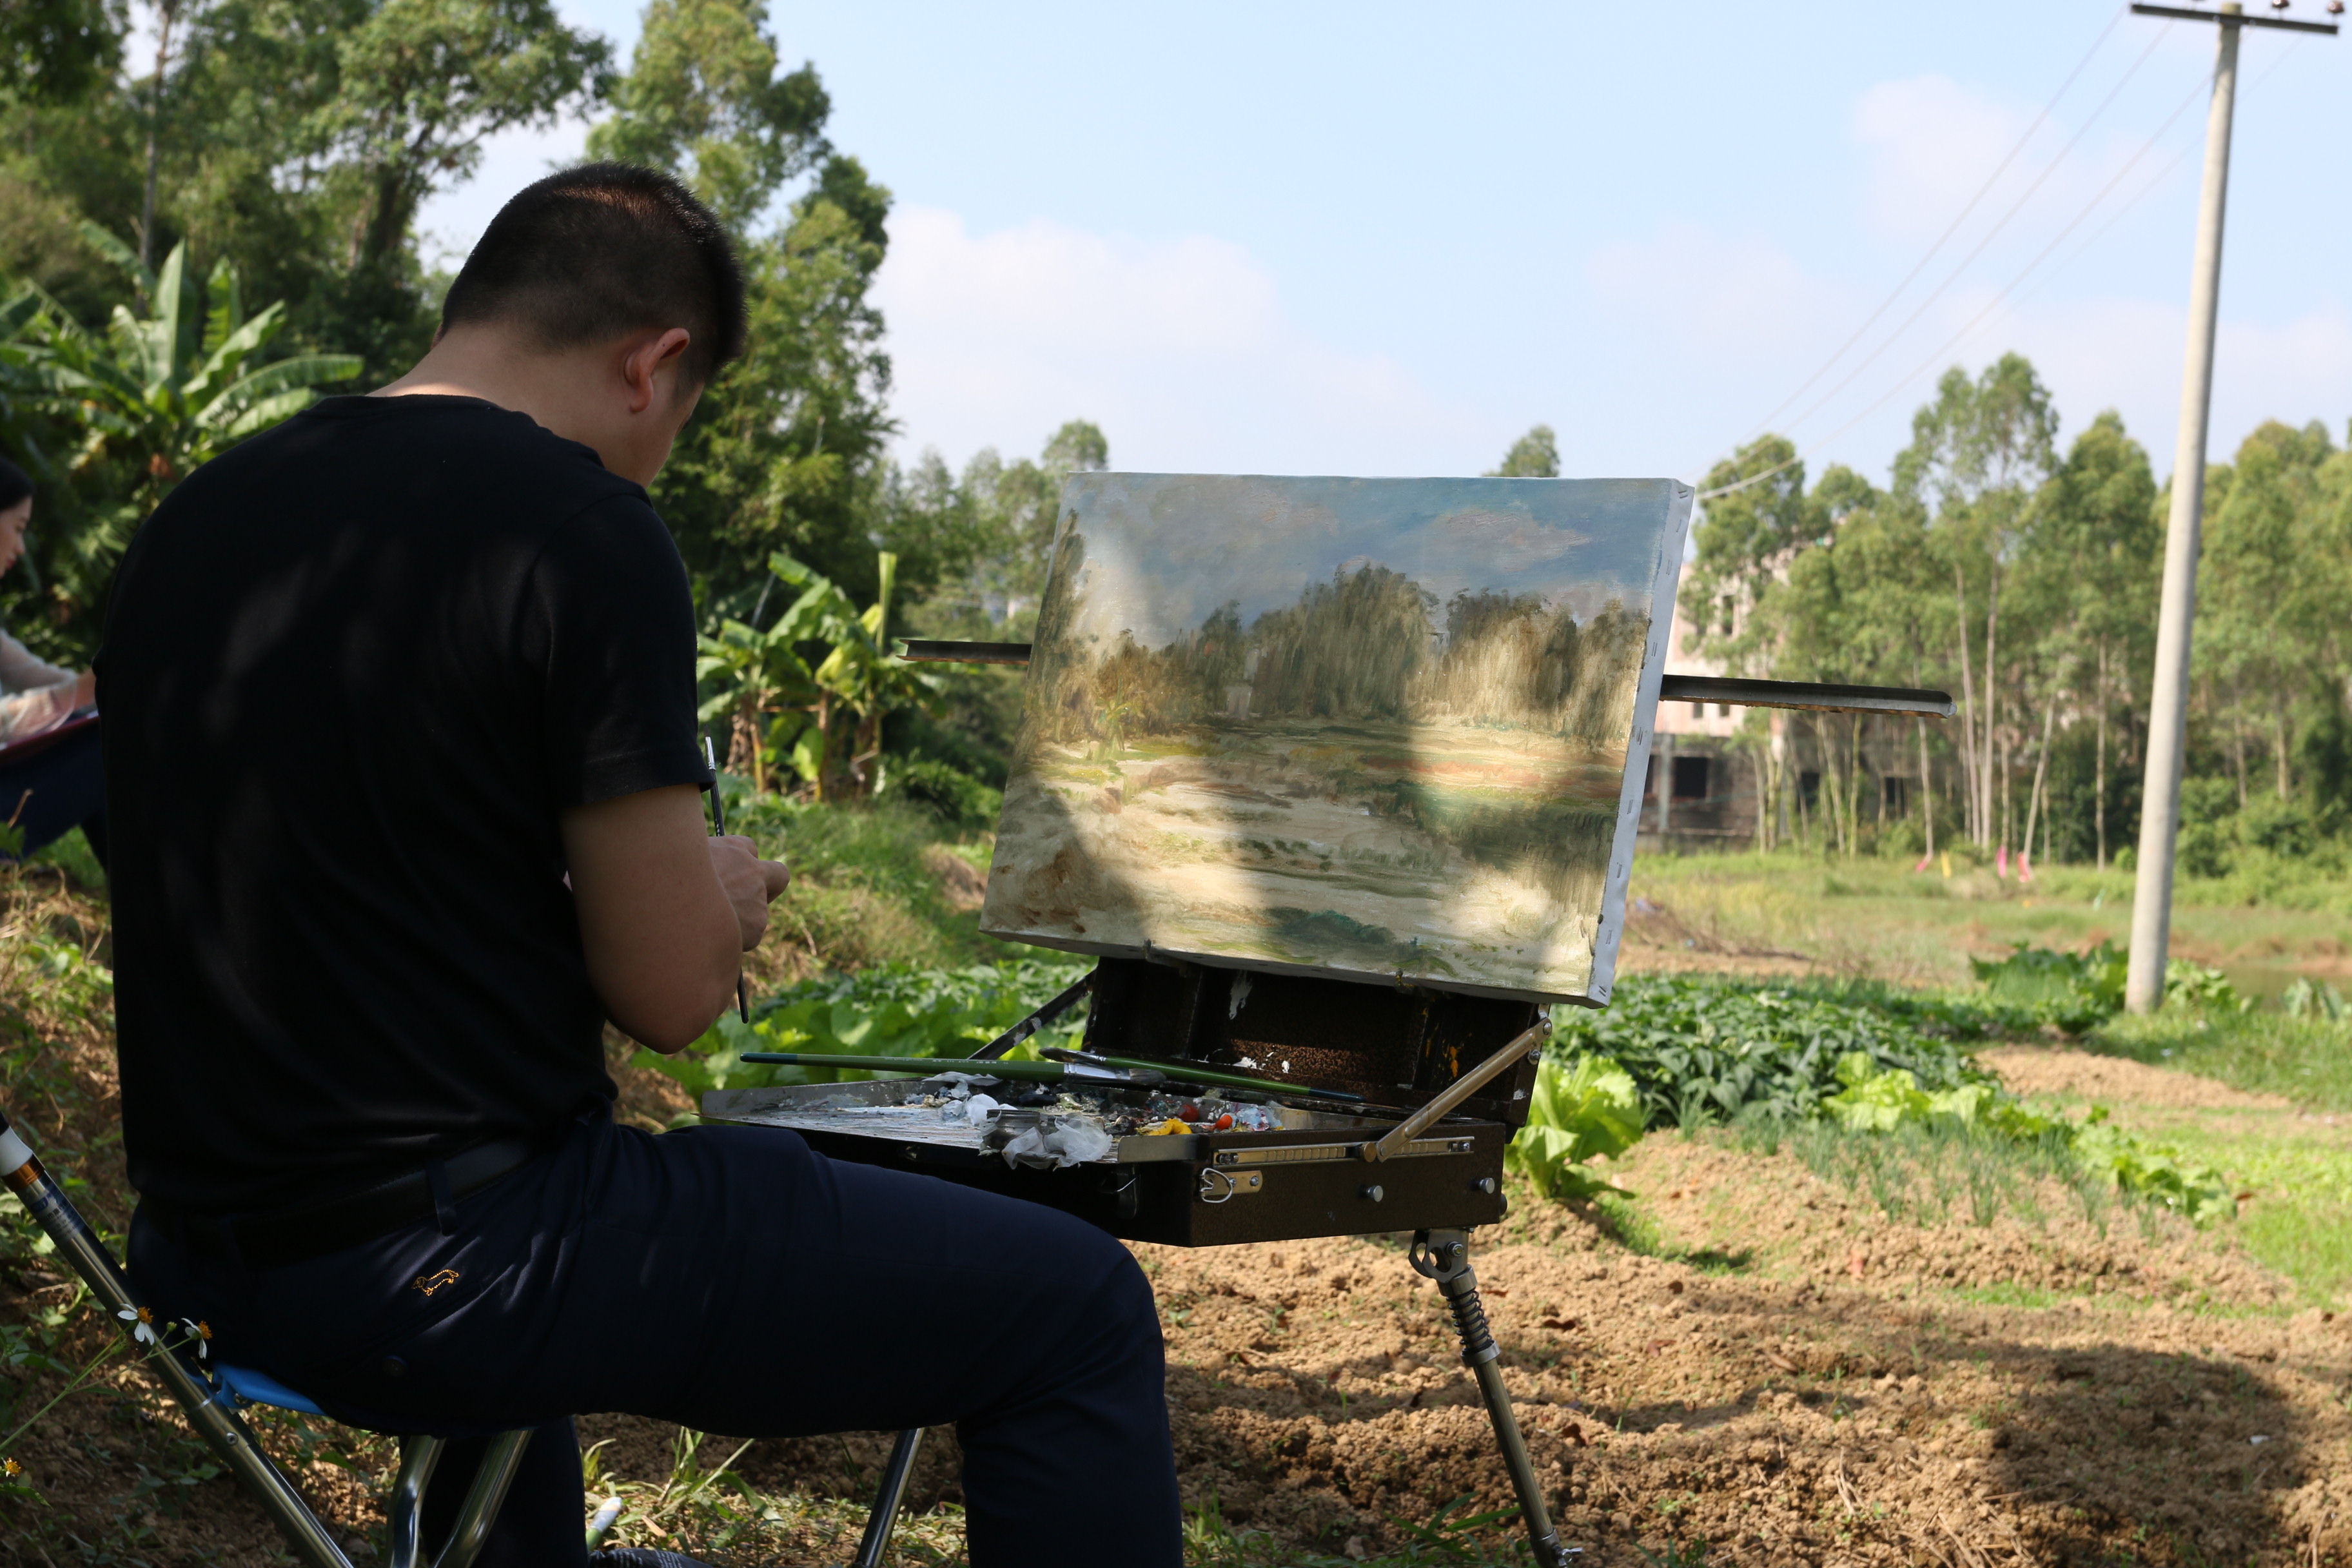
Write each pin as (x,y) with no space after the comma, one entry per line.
(646,359)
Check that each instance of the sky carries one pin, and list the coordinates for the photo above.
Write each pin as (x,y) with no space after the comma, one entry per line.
(1379,239)
(1163,552)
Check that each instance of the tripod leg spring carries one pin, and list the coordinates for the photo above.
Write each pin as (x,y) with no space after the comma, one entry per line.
(1470,1322)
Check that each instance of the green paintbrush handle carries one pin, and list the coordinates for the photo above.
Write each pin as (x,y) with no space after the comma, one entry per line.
(1188,1073)
(929,1066)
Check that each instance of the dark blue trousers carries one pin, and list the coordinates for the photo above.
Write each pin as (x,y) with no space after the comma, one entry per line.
(52,791)
(732,1280)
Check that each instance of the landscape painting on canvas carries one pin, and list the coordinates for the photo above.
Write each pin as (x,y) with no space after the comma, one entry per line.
(1364,727)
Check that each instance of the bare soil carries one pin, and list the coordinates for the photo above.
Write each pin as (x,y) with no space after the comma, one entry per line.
(1759,1359)
(2041,1069)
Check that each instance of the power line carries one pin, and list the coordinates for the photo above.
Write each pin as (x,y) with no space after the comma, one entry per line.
(2146,190)
(1941,240)
(1954,276)
(1999,297)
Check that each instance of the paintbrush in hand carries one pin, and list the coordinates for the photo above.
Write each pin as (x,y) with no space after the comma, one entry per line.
(718,830)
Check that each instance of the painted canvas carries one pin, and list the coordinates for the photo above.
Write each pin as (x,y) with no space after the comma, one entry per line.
(1379,729)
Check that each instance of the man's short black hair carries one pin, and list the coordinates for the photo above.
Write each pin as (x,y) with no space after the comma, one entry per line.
(597,252)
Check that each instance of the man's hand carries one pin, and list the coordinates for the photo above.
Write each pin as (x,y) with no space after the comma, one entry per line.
(666,911)
(750,883)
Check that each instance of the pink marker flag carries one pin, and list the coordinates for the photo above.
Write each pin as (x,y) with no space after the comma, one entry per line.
(2024,867)
(2000,862)
(1924,861)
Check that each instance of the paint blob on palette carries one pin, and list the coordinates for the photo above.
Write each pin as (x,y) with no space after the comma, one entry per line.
(1386,730)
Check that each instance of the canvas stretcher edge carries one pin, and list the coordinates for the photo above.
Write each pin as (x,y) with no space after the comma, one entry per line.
(1666,582)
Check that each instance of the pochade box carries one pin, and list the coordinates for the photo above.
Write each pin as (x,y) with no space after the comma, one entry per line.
(1340,779)
(1238,1164)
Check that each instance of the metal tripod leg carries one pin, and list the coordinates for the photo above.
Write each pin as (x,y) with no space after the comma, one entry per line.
(888,1500)
(1443,1256)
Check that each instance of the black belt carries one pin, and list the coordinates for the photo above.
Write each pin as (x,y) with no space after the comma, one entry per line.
(313,1230)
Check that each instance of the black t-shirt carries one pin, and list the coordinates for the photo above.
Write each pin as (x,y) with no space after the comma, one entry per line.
(355,670)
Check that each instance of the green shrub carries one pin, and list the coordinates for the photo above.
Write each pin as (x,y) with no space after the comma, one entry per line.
(953,797)
(2074,991)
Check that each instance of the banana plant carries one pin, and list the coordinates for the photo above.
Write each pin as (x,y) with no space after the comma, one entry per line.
(161,390)
(781,707)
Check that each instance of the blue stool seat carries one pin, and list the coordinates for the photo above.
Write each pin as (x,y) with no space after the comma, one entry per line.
(260,1388)
(418,1457)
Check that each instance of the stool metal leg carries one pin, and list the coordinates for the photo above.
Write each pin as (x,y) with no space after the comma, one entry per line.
(499,1463)
(888,1500)
(1443,1256)
(418,1456)
(207,1408)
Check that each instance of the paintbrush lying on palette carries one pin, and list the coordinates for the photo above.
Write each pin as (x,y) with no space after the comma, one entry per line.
(1071,1066)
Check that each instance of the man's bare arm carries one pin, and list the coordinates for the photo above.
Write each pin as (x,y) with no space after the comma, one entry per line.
(666,912)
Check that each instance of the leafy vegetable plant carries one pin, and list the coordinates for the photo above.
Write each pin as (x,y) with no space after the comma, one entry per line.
(1882,1100)
(1579,1109)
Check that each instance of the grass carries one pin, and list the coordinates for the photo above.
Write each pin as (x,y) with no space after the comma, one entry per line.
(866,888)
(2305,1059)
(1876,917)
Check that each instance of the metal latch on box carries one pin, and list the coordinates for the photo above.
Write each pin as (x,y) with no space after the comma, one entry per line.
(1217,1187)
(1319,1153)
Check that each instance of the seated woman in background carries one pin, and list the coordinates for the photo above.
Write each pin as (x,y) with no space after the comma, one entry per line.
(46,786)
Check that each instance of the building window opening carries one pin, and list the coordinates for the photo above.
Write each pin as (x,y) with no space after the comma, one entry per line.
(1698,709)
(1690,778)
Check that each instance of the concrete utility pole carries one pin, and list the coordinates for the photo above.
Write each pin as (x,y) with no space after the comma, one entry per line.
(2167,714)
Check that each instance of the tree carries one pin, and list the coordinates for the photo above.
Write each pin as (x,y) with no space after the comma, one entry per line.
(2270,597)
(423,83)
(1747,533)
(702,98)
(826,719)
(786,453)
(56,51)
(1534,456)
(1978,457)
(2097,551)
(141,405)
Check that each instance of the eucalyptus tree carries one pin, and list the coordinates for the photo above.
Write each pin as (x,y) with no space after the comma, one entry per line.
(2271,598)
(1979,456)
(2099,542)
(1534,456)
(1758,518)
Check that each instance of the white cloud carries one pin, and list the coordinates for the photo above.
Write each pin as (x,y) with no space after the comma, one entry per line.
(1749,323)
(1179,349)
(1719,295)
(1931,143)
(2126,354)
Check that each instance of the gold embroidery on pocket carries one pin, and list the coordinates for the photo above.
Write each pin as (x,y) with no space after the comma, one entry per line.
(428,1283)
